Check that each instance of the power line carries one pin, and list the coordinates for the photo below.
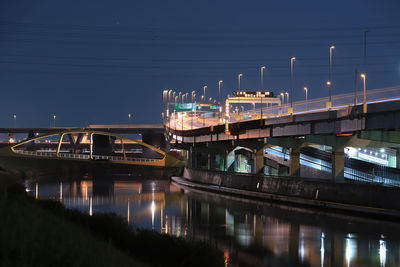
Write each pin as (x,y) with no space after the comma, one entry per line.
(192,37)
(190,30)
(170,67)
(158,60)
(167,75)
(172,45)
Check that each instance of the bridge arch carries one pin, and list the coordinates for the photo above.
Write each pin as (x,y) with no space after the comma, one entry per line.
(94,145)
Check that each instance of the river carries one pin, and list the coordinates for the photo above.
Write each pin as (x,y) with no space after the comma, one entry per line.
(249,232)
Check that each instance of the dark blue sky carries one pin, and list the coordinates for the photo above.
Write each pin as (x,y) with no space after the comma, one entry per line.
(97,61)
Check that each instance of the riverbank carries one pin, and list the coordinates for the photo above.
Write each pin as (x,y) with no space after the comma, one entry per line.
(44,233)
(350,197)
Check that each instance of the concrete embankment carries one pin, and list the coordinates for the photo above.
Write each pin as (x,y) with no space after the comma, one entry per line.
(358,197)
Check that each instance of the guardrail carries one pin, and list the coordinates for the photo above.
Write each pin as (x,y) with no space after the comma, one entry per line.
(83,156)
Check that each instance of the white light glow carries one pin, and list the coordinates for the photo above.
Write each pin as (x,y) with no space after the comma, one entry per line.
(350,250)
(382,252)
(153,210)
(322,249)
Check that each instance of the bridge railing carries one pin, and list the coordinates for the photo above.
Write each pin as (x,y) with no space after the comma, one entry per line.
(303,106)
(83,156)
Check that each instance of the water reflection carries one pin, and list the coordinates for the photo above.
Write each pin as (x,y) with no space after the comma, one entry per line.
(250,233)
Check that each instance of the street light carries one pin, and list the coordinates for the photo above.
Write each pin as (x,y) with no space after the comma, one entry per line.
(287,99)
(306,92)
(282,95)
(193,95)
(193,107)
(240,75)
(262,86)
(330,61)
(364,77)
(329,103)
(262,76)
(330,75)
(129,117)
(15,120)
(219,91)
(219,98)
(283,98)
(54,120)
(292,59)
(204,90)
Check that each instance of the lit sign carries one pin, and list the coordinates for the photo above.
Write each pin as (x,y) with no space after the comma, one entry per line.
(253,94)
(214,107)
(185,106)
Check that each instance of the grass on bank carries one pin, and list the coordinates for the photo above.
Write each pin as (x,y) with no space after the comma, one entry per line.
(32,236)
(44,233)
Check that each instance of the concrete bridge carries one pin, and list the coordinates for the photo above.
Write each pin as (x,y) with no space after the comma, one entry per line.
(218,146)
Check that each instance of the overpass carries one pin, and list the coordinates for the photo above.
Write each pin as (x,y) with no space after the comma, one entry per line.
(346,124)
(152,134)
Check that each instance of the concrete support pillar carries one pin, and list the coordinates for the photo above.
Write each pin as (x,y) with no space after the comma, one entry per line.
(398,158)
(211,161)
(338,164)
(294,164)
(259,161)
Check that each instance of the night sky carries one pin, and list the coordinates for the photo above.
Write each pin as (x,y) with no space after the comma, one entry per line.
(96,61)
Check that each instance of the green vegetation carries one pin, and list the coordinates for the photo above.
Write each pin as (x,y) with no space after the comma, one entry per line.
(33,236)
(44,233)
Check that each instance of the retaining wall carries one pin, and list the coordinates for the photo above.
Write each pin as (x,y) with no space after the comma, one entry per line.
(359,194)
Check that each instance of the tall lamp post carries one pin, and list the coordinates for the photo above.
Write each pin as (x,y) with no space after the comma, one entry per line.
(329,104)
(364,77)
(54,120)
(292,59)
(262,69)
(240,75)
(219,90)
(194,107)
(15,120)
(129,117)
(219,99)
(204,91)
(306,92)
(287,101)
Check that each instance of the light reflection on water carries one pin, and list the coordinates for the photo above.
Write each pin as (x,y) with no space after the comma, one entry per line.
(250,233)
